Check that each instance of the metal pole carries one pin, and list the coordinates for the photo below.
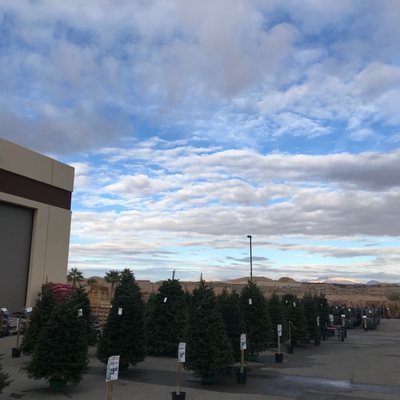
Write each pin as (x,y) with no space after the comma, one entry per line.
(251,260)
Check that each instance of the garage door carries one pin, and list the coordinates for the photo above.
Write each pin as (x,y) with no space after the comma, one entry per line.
(15,246)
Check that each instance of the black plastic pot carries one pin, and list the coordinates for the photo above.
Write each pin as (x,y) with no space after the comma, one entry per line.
(289,349)
(241,377)
(278,357)
(15,353)
(180,396)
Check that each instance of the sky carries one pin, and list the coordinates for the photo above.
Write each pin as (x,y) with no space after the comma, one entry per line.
(192,124)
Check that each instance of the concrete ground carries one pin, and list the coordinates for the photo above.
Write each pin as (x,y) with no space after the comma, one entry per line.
(365,366)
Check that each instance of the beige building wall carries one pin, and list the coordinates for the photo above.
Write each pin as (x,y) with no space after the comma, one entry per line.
(44,185)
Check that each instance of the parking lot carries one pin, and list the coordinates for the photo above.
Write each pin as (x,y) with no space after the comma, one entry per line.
(365,366)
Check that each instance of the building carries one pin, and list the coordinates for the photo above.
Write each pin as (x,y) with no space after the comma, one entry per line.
(35,220)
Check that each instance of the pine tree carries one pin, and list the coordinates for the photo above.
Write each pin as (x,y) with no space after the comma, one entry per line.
(4,378)
(322,310)
(74,276)
(208,348)
(256,318)
(82,302)
(311,314)
(60,355)
(229,306)
(295,315)
(124,334)
(277,315)
(41,312)
(166,320)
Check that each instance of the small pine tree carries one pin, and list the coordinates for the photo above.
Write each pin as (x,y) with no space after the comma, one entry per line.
(82,302)
(4,378)
(256,318)
(166,319)
(124,334)
(60,355)
(208,348)
(277,315)
(322,310)
(41,312)
(311,314)
(295,315)
(229,306)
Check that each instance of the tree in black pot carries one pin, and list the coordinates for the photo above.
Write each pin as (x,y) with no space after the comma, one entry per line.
(166,319)
(229,306)
(295,316)
(311,315)
(256,318)
(124,332)
(209,351)
(41,312)
(60,355)
(4,378)
(277,314)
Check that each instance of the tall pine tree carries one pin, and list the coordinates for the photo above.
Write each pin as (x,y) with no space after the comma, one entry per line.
(295,315)
(166,320)
(311,314)
(277,314)
(256,318)
(41,312)
(60,354)
(209,351)
(124,333)
(229,306)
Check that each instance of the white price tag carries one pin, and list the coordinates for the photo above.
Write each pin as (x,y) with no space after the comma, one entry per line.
(243,342)
(250,302)
(318,320)
(80,313)
(28,309)
(343,316)
(182,352)
(112,368)
(4,309)
(120,311)
(165,299)
(279,329)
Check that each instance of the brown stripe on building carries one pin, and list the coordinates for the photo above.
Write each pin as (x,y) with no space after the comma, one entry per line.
(21,186)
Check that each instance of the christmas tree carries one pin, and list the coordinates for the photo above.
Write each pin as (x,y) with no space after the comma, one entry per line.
(256,318)
(209,351)
(311,314)
(322,310)
(4,378)
(229,306)
(166,319)
(277,315)
(60,354)
(295,315)
(124,333)
(82,302)
(41,312)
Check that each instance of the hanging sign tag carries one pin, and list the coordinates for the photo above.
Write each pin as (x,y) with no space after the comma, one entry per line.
(279,329)
(243,343)
(343,316)
(80,313)
(182,352)
(120,311)
(28,309)
(250,302)
(165,299)
(112,368)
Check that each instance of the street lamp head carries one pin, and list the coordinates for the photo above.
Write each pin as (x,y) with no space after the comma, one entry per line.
(249,236)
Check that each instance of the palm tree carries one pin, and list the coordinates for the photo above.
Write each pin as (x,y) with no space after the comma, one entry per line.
(113,276)
(74,275)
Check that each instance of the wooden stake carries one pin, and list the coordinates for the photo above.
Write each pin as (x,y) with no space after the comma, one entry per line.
(18,331)
(279,344)
(109,390)
(241,361)
(178,378)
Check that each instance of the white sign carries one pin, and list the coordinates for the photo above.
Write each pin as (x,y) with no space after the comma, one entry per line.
(364,316)
(112,368)
(182,352)
(343,316)
(318,320)
(250,301)
(243,343)
(165,299)
(28,309)
(120,311)
(80,313)
(279,329)
(4,309)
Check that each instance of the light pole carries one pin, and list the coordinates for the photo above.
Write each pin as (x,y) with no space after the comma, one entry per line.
(251,260)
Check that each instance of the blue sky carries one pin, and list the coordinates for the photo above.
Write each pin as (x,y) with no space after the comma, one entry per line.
(194,124)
